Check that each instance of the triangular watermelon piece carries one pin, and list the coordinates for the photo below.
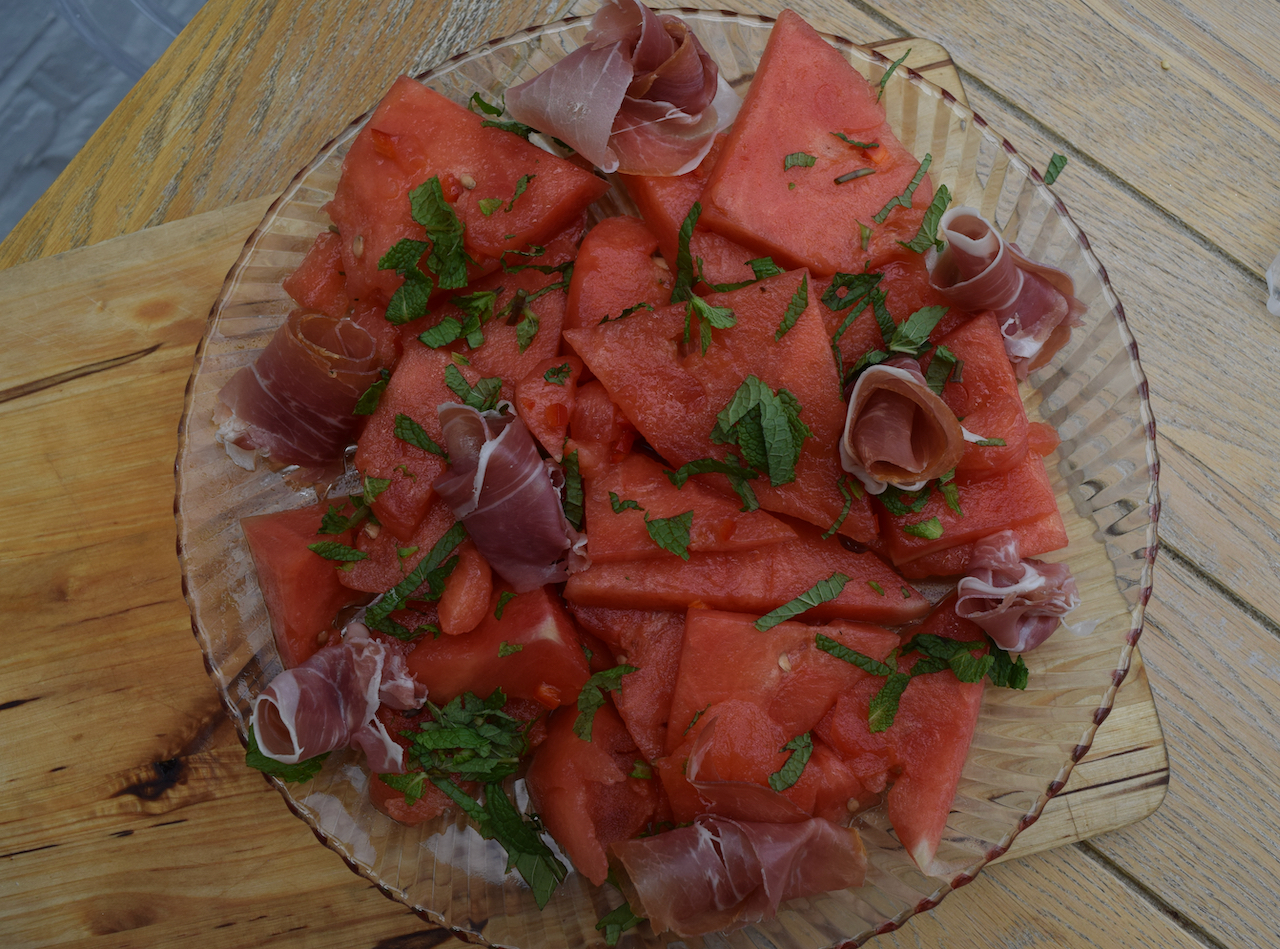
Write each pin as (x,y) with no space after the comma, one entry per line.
(718,521)
(805,215)
(672,392)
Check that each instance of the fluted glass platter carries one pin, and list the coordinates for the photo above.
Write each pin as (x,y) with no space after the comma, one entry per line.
(1104,473)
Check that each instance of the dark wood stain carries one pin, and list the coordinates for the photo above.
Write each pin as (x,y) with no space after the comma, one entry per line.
(18,853)
(168,773)
(48,382)
(426,939)
(14,703)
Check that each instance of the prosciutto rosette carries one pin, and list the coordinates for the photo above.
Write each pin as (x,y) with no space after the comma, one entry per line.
(329,702)
(509,497)
(294,404)
(719,874)
(1034,303)
(896,430)
(1017,600)
(640,96)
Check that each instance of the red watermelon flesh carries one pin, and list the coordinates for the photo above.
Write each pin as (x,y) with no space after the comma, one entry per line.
(664,203)
(1034,538)
(544,400)
(300,588)
(673,396)
(390,558)
(416,134)
(615,270)
(718,521)
(319,282)
(650,641)
(754,580)
(801,216)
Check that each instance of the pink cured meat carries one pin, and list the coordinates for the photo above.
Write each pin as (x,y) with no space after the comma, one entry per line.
(508,497)
(294,404)
(639,96)
(1034,303)
(1018,601)
(331,700)
(888,400)
(719,874)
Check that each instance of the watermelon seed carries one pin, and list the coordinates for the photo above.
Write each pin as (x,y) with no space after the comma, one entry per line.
(357,246)
(784,663)
(467,181)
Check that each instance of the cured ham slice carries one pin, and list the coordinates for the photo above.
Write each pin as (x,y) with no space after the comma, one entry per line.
(294,404)
(509,497)
(1034,303)
(1017,600)
(719,874)
(640,96)
(331,700)
(897,431)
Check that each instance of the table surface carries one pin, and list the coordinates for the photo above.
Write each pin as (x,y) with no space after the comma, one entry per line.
(1169,114)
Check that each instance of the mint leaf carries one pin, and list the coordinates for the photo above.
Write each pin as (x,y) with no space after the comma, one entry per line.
(447,259)
(927,236)
(732,467)
(764,267)
(442,334)
(801,747)
(526,329)
(1056,164)
(682,287)
(884,704)
(526,852)
(766,426)
(483,396)
(929,530)
(802,159)
(698,311)
(367,404)
(410,432)
(489,205)
(904,199)
(505,597)
(625,313)
(522,185)
(558,375)
(1006,671)
(620,505)
(671,533)
(799,303)
(819,593)
(913,334)
(341,553)
(592,697)
(889,72)
(430,571)
(853,657)
(479,105)
(411,298)
(302,771)
(617,921)
(856,287)
(849,489)
(876,587)
(412,785)
(990,443)
(940,369)
(373,487)
(900,503)
(335,522)
(854,175)
(854,142)
(574,495)
(508,649)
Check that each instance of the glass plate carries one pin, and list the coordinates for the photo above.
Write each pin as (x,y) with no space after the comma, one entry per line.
(1094,393)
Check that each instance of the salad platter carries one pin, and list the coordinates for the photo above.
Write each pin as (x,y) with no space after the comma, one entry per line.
(1027,745)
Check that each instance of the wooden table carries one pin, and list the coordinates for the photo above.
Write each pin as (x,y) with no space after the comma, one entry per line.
(126,815)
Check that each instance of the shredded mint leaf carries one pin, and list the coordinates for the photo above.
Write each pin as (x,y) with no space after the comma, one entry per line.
(479,105)
(448,259)
(940,369)
(526,329)
(857,286)
(950,494)
(592,697)
(526,852)
(574,496)
(412,785)
(698,311)
(927,236)
(766,426)
(682,287)
(1007,672)
(302,771)
(1056,164)
(431,571)
(853,657)
(671,533)
(991,443)
(799,303)
(558,375)
(696,715)
(335,522)
(911,336)
(875,586)
(641,769)
(508,649)
(900,503)
(482,397)
(889,72)
(373,487)
(884,704)
(410,432)
(865,234)
(929,530)
(488,205)
(503,599)
(819,593)
(904,200)
(442,334)
(849,489)
(625,313)
(522,185)
(367,404)
(802,159)
(410,299)
(340,553)
(801,747)
(614,923)
(854,142)
(764,267)
(732,467)
(854,175)
(620,505)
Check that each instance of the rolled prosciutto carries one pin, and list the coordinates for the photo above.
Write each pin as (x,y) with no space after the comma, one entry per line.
(640,96)
(896,430)
(294,404)
(1017,600)
(329,702)
(509,497)
(1034,303)
(718,874)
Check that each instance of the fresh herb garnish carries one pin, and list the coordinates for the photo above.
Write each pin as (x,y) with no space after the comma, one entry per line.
(900,503)
(302,771)
(802,159)
(671,533)
(801,747)
(526,328)
(731,467)
(799,303)
(950,494)
(482,397)
(941,369)
(625,313)
(367,404)
(447,258)
(990,443)
(488,205)
(928,530)
(912,335)
(620,505)
(505,597)
(682,287)
(508,649)
(876,587)
(1056,164)
(574,495)
(410,432)
(592,697)
(904,199)
(431,572)
(849,489)
(479,106)
(699,311)
(766,426)
(522,185)
(340,553)
(889,72)
(558,375)
(927,236)
(854,175)
(819,593)
(854,142)
(696,715)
